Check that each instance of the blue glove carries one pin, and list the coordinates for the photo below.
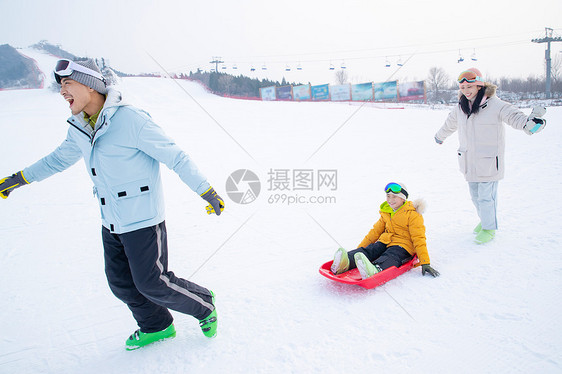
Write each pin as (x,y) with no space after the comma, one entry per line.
(438,141)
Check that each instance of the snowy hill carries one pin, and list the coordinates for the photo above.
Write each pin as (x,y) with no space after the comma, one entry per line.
(45,62)
(18,71)
(493,310)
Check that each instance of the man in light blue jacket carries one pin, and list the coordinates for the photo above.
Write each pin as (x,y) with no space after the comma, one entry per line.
(122,149)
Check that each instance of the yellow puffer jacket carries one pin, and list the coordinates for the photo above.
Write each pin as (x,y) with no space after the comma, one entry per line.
(404,228)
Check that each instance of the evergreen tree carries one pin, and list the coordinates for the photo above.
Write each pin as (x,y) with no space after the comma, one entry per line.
(227,84)
(214,81)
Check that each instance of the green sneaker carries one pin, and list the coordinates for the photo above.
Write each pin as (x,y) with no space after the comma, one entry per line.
(484,236)
(139,339)
(209,324)
(365,267)
(478,228)
(341,262)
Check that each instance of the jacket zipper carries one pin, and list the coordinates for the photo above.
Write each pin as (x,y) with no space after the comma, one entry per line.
(79,129)
(91,137)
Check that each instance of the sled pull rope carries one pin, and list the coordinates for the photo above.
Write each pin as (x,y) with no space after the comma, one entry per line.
(397,303)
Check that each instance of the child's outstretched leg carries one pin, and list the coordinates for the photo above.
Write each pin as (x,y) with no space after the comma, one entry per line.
(363,258)
(393,256)
(371,252)
(365,267)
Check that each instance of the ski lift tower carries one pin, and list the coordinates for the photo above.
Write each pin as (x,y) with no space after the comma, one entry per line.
(217,61)
(548,38)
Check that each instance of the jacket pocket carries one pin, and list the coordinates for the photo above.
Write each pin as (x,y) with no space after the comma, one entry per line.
(134,202)
(486,166)
(461,155)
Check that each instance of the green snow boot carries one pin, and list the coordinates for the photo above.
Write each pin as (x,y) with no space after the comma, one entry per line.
(341,262)
(365,267)
(139,339)
(484,236)
(209,324)
(478,228)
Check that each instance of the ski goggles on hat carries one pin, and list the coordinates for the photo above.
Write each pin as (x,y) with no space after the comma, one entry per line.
(469,76)
(65,68)
(395,188)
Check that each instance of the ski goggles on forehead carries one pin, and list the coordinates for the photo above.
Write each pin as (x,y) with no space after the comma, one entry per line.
(469,76)
(65,68)
(395,188)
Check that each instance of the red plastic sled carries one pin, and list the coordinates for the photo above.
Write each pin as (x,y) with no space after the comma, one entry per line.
(353,277)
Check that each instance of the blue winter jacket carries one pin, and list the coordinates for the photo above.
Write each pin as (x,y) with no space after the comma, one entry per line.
(122,156)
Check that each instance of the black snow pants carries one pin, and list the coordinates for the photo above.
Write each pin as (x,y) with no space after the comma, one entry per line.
(378,253)
(136,266)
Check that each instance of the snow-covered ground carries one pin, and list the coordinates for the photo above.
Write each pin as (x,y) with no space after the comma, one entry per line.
(494,309)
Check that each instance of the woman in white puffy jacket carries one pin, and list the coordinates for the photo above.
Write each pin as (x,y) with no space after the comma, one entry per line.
(479,119)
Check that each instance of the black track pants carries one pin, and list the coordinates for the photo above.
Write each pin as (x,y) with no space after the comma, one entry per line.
(136,266)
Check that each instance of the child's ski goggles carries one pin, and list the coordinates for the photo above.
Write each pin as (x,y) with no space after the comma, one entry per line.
(65,68)
(469,76)
(395,188)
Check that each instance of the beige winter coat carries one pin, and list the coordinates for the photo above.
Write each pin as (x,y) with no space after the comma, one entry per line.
(482,136)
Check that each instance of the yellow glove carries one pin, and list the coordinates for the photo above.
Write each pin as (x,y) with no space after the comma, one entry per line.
(10,183)
(216,203)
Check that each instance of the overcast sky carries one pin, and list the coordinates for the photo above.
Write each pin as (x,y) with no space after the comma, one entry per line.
(362,35)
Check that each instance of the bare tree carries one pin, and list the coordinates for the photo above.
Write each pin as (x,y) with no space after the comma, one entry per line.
(556,68)
(341,76)
(438,82)
(556,73)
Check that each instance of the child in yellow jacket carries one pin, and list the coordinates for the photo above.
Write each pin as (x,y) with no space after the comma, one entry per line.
(395,238)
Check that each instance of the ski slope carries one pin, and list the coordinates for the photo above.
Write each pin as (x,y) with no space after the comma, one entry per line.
(494,309)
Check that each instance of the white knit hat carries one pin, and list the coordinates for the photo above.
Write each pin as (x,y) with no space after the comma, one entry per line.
(403,194)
